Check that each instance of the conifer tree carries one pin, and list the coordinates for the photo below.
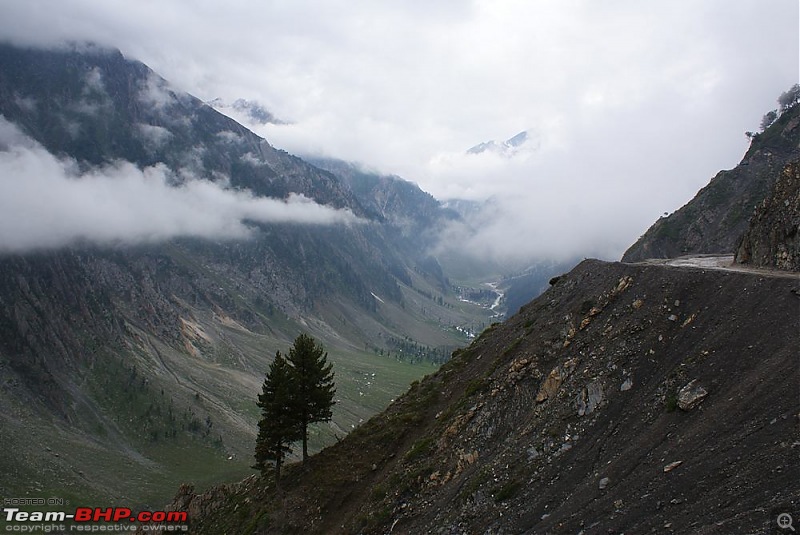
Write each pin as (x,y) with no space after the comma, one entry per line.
(279,425)
(312,377)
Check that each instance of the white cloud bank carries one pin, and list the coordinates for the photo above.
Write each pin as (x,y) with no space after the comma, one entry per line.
(637,104)
(46,203)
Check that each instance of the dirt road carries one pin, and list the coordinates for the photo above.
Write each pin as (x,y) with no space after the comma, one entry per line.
(717,262)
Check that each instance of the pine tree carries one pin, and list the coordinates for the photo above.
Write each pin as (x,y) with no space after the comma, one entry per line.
(279,425)
(313,385)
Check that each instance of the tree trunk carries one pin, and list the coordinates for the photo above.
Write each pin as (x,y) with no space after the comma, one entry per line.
(305,444)
(305,436)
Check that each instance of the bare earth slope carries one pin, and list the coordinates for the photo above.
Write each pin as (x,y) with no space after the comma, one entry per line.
(567,418)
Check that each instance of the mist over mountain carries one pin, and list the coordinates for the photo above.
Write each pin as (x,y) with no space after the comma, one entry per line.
(249,111)
(390,197)
(629,397)
(154,255)
(101,149)
(522,143)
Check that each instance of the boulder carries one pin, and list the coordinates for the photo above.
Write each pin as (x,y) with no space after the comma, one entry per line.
(691,395)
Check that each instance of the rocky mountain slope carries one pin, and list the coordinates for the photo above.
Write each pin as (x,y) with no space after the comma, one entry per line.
(96,106)
(628,398)
(773,237)
(715,219)
(390,197)
(625,399)
(147,357)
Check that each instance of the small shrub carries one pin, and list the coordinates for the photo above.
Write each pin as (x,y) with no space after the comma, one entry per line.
(473,484)
(586,306)
(510,349)
(508,491)
(474,386)
(672,402)
(421,447)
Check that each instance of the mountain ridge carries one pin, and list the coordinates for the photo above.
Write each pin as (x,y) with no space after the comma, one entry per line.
(717,216)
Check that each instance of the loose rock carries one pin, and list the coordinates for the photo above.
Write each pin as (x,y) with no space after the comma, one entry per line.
(672,466)
(691,395)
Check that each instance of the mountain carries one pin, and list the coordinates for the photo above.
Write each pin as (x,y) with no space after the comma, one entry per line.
(138,361)
(97,107)
(629,397)
(389,197)
(715,219)
(414,217)
(523,142)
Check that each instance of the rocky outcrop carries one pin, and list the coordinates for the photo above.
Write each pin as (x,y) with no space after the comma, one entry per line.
(773,238)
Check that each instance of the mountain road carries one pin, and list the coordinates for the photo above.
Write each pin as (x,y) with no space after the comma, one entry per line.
(717,262)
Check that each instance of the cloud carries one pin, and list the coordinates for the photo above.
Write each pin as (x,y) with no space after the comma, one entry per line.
(156,93)
(154,137)
(45,202)
(590,193)
(638,104)
(251,159)
(231,138)
(94,81)
(94,98)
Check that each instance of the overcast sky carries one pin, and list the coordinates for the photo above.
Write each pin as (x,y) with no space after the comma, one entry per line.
(632,106)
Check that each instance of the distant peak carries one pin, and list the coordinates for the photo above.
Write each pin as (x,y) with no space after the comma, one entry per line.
(521,142)
(518,140)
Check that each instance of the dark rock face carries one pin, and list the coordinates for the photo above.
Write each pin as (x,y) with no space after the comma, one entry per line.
(773,238)
(715,219)
(565,419)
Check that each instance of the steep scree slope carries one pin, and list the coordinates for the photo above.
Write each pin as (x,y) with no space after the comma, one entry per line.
(627,398)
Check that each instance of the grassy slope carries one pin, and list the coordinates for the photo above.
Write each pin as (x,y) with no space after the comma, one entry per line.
(141,427)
